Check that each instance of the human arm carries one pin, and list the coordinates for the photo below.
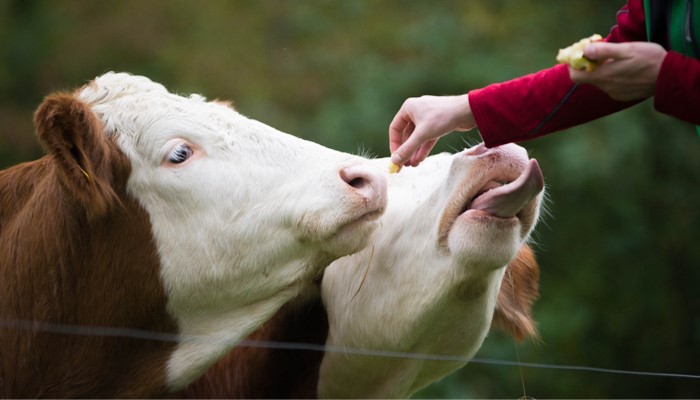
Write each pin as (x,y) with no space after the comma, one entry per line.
(677,91)
(548,101)
(533,105)
(638,70)
(536,105)
(512,111)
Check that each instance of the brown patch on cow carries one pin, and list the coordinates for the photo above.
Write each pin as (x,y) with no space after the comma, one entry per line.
(68,256)
(263,372)
(519,290)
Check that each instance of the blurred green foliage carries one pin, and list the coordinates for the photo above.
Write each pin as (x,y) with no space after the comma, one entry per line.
(618,249)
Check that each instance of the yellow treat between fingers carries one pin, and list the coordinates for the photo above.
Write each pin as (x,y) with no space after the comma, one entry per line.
(393,168)
(573,55)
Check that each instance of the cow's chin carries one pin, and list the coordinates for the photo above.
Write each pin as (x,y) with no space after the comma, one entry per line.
(482,238)
(352,236)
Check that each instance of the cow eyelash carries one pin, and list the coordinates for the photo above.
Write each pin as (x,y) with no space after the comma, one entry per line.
(180,154)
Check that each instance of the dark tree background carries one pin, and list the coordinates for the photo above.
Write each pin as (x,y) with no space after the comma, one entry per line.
(619,248)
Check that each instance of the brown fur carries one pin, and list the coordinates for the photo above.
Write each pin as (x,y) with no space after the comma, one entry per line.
(258,372)
(519,290)
(77,250)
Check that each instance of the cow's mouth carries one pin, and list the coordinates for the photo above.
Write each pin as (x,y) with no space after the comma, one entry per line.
(362,219)
(506,200)
(499,197)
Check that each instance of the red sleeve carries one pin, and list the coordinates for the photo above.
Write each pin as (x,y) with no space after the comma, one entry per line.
(537,104)
(548,101)
(631,26)
(678,88)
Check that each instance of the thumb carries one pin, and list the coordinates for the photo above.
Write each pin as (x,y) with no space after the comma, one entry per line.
(601,51)
(404,153)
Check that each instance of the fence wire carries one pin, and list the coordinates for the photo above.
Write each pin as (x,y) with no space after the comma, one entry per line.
(47,327)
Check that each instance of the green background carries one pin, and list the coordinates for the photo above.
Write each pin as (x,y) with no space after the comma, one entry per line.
(618,248)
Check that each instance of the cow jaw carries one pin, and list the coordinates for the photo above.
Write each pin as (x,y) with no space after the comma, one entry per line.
(208,336)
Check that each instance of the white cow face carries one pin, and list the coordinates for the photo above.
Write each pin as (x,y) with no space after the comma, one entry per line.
(243,215)
(475,207)
(430,279)
(472,208)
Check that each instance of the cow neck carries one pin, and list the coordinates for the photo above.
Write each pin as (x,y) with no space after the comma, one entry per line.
(77,272)
(263,372)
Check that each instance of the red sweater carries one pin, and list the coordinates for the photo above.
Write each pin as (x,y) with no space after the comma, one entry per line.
(548,101)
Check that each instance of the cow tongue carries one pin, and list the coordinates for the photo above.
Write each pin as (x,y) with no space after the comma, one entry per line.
(507,200)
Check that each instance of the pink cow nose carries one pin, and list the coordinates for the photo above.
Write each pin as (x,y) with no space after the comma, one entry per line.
(367,182)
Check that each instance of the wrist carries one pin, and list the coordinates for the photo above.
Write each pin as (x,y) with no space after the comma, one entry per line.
(465,118)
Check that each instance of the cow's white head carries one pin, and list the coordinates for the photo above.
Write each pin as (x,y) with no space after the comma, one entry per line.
(242,215)
(430,280)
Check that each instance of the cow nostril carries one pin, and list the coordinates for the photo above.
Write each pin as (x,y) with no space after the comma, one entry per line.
(367,183)
(354,177)
(358,183)
(360,179)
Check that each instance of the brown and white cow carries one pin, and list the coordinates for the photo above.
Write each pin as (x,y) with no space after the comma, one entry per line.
(162,213)
(433,281)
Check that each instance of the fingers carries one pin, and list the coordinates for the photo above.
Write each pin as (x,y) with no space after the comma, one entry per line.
(601,51)
(403,141)
(422,152)
(421,121)
(400,127)
(627,71)
(403,153)
(580,76)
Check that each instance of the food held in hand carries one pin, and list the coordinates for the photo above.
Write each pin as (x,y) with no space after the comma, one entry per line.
(393,168)
(573,55)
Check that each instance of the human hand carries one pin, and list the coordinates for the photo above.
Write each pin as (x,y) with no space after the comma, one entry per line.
(421,121)
(627,71)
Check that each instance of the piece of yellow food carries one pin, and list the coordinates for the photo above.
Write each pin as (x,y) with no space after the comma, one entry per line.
(573,55)
(393,168)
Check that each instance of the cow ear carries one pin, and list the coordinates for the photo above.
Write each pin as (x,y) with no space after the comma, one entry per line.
(519,290)
(73,135)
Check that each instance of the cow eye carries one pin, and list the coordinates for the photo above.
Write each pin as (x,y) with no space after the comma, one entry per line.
(180,154)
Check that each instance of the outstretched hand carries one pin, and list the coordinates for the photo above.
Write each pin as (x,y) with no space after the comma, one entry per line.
(421,121)
(627,71)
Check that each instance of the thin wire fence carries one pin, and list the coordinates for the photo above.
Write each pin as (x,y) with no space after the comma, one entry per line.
(47,327)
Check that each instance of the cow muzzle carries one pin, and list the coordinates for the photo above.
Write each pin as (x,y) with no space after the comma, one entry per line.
(367,184)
